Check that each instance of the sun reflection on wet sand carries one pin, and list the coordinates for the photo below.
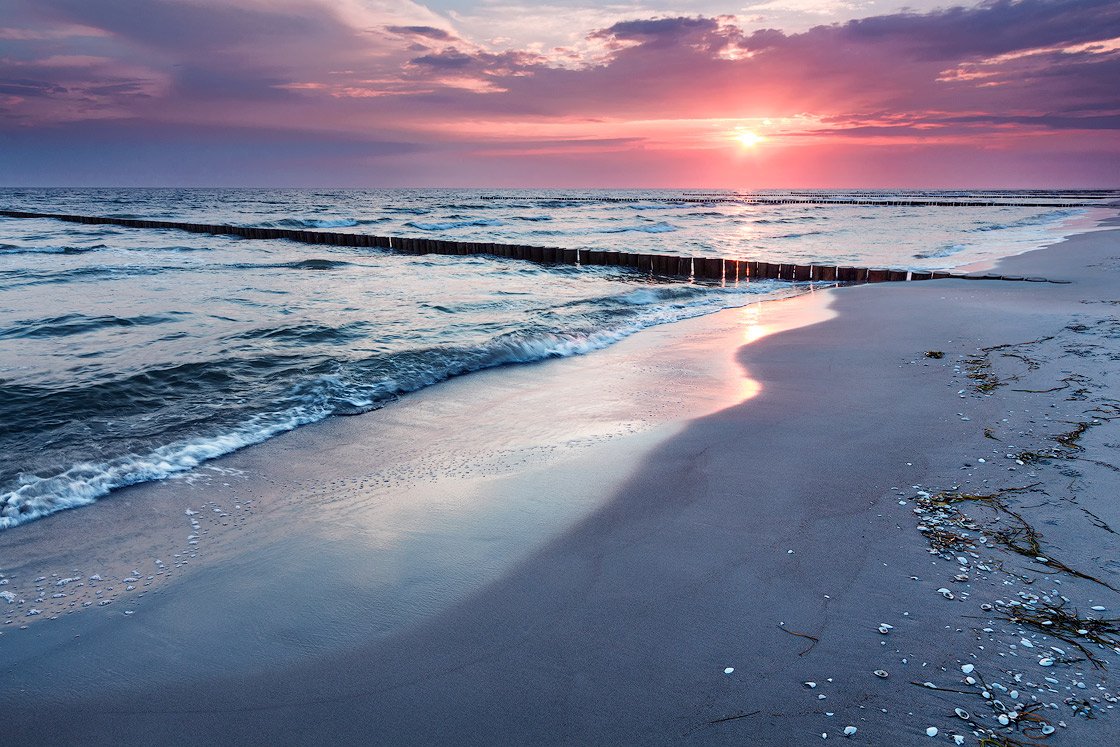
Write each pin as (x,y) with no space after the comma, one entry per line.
(765,318)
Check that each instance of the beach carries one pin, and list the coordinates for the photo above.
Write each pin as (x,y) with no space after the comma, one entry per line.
(706,533)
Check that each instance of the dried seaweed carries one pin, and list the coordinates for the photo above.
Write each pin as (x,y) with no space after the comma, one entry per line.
(1058,621)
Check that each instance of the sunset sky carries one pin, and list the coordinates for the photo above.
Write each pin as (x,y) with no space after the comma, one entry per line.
(652,93)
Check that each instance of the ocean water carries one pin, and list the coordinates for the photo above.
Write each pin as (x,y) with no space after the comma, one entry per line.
(130,355)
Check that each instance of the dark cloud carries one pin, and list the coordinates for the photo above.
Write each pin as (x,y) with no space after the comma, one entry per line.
(175,25)
(451,59)
(27,87)
(659,30)
(992,28)
(427,32)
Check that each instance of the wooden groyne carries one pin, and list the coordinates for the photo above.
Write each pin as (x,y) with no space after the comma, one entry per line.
(795,200)
(660,265)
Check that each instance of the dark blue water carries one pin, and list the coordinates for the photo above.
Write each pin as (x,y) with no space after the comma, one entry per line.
(129,355)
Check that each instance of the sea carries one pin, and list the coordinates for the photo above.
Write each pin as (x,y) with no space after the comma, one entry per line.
(130,355)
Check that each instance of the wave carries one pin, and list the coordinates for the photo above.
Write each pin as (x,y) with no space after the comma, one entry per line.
(76,324)
(1053,216)
(321,222)
(335,389)
(948,250)
(17,249)
(452,224)
(659,227)
(315,264)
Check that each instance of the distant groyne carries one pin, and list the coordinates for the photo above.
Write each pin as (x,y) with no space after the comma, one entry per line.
(655,264)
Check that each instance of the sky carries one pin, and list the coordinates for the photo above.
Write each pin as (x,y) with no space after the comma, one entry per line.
(745,94)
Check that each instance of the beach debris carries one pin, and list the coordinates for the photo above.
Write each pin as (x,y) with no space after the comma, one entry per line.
(931,731)
(850,731)
(881,673)
(958,739)
(937,354)
(813,638)
(8,597)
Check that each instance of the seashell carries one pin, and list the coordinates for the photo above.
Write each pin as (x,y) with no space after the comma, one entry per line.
(958,739)
(962,713)
(945,593)
(810,684)
(850,730)
(970,680)
(967,668)
(884,628)
(728,670)
(1003,719)
(1046,661)
(1048,729)
(881,673)
(931,731)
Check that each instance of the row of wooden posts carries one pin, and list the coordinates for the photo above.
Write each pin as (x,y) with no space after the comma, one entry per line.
(815,201)
(663,265)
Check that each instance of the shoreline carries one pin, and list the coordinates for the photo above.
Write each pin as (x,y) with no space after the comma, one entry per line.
(610,615)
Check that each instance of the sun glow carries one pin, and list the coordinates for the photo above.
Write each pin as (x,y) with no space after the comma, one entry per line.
(748,139)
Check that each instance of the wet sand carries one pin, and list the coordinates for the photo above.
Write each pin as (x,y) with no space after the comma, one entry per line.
(578,552)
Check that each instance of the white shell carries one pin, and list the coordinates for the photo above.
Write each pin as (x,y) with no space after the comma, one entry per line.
(962,713)
(967,668)
(931,731)
(850,730)
(881,673)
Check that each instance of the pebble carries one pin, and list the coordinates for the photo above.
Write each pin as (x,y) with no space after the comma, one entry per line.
(931,731)
(728,670)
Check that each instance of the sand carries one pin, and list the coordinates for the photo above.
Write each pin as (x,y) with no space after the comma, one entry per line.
(658,543)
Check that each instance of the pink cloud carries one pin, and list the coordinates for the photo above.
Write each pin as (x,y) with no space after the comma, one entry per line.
(1019,77)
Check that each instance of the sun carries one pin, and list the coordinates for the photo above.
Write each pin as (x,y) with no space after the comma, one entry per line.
(748,139)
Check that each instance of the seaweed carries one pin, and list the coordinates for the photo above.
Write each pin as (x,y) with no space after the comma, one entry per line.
(1058,621)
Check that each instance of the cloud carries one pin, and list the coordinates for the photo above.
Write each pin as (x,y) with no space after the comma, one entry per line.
(428,32)
(395,71)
